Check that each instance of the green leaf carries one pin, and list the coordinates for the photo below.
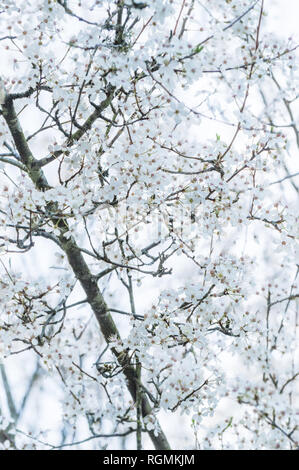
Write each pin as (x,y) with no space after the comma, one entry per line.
(197,49)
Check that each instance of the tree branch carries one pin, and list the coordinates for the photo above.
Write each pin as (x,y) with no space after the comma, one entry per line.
(78,264)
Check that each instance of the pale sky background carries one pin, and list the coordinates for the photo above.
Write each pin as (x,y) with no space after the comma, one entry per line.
(283,20)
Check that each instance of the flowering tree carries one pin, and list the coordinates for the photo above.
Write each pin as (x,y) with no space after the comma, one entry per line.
(148,224)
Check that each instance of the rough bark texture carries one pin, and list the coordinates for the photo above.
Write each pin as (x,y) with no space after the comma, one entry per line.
(78,263)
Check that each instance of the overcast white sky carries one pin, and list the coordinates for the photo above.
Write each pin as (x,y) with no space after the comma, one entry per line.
(283,20)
